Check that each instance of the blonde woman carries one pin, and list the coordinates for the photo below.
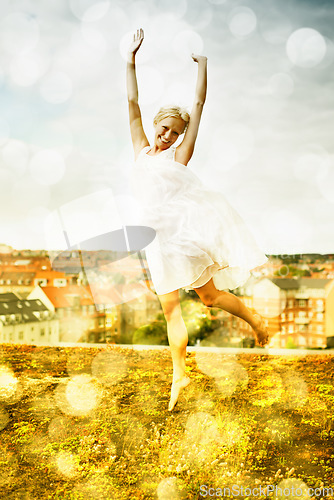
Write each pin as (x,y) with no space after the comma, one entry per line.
(201,242)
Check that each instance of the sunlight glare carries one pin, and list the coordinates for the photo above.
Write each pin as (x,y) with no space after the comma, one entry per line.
(67,464)
(296,390)
(231,430)
(291,489)
(80,396)
(202,436)
(109,367)
(170,487)
(228,373)
(8,383)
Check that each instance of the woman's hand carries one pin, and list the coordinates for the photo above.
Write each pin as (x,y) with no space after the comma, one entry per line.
(137,41)
(199,59)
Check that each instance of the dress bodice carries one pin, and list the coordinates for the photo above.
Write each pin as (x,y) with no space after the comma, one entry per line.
(158,179)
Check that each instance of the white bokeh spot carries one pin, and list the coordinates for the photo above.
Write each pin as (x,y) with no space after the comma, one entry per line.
(242,22)
(26,70)
(89,10)
(306,47)
(47,167)
(187,42)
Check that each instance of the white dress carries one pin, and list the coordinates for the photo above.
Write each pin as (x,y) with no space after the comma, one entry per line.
(198,234)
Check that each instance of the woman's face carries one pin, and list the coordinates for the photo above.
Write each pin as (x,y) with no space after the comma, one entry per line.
(167,131)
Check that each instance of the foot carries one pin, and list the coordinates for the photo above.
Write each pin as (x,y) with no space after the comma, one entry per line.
(261,332)
(177,386)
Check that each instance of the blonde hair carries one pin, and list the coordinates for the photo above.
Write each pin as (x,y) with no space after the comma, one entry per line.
(174,112)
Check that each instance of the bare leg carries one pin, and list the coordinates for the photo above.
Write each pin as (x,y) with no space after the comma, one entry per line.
(212,297)
(178,340)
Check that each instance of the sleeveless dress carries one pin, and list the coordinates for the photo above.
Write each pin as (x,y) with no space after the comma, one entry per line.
(199,235)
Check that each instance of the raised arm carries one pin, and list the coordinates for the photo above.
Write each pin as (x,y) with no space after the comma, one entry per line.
(139,139)
(185,150)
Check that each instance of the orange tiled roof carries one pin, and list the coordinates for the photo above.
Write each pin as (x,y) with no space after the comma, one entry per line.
(60,296)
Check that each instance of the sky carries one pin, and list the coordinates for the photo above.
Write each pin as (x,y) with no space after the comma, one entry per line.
(266,136)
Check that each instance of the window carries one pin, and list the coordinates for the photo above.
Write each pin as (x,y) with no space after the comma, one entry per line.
(21,335)
(302,314)
(320,316)
(290,316)
(302,303)
(291,329)
(320,305)
(42,332)
(283,316)
(319,328)
(290,302)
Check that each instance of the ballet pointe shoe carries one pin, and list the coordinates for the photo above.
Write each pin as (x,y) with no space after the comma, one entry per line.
(261,332)
(176,388)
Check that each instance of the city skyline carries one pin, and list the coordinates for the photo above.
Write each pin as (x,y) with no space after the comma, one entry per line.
(265,140)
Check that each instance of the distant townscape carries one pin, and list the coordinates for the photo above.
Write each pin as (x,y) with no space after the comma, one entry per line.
(99,297)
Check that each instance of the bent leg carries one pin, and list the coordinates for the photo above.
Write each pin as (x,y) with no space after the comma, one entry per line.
(178,340)
(212,297)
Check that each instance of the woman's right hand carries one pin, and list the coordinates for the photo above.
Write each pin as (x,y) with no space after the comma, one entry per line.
(138,38)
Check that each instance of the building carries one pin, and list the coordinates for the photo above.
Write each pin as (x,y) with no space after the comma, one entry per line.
(82,318)
(299,312)
(24,321)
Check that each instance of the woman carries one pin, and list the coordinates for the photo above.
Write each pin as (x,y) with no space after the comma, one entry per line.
(199,237)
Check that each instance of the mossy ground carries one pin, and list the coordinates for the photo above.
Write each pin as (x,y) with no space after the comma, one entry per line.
(90,423)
